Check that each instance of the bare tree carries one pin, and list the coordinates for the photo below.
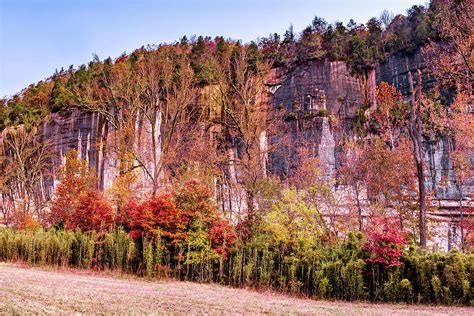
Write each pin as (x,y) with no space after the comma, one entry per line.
(168,103)
(247,121)
(25,164)
(386,17)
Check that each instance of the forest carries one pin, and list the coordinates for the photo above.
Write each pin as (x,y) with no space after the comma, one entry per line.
(214,183)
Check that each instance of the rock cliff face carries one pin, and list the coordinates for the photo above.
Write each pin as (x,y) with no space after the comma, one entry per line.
(316,90)
(84,131)
(440,176)
(320,88)
(394,70)
(322,85)
(319,85)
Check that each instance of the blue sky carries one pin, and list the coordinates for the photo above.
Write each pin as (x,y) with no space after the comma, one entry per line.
(39,36)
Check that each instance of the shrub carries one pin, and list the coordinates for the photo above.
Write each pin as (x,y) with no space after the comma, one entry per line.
(326,271)
(24,220)
(437,289)
(353,279)
(406,291)
(384,243)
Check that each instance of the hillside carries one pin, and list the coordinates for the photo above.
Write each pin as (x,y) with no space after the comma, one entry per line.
(336,163)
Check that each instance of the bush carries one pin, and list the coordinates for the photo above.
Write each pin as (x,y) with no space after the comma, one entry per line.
(323,113)
(406,291)
(384,243)
(337,271)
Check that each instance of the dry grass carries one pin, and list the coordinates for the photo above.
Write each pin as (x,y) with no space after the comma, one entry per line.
(33,290)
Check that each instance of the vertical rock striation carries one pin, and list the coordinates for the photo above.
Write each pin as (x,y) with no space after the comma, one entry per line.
(321,89)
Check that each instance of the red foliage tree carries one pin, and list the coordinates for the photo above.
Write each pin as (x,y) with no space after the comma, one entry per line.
(76,180)
(384,242)
(222,237)
(172,217)
(158,215)
(92,212)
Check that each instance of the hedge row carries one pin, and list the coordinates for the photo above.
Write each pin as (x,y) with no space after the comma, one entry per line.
(338,271)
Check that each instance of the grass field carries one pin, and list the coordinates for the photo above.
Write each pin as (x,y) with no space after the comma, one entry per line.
(34,290)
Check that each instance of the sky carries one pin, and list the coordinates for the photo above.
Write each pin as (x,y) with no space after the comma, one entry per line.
(39,36)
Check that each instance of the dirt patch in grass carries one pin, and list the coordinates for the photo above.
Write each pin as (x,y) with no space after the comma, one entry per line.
(35,290)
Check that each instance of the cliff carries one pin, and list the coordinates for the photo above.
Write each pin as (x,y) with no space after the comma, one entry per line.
(320,88)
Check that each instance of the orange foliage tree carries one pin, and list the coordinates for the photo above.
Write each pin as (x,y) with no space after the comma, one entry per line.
(76,180)
(91,212)
(386,175)
(389,117)
(157,216)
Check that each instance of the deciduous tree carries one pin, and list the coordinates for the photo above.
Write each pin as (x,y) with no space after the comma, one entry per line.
(76,180)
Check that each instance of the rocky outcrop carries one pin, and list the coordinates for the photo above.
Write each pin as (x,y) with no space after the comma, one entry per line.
(316,88)
(319,85)
(394,70)
(84,131)
(440,176)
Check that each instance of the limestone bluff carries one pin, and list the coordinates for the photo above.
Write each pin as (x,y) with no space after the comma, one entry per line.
(315,87)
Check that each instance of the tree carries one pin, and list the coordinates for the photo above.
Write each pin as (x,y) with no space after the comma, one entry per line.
(419,106)
(195,199)
(292,222)
(222,237)
(336,41)
(26,160)
(179,218)
(289,46)
(310,45)
(463,129)
(168,106)
(384,243)
(76,180)
(353,173)
(386,17)
(389,159)
(319,24)
(390,179)
(91,212)
(306,170)
(113,91)
(246,121)
(389,118)
(271,50)
(451,62)
(158,216)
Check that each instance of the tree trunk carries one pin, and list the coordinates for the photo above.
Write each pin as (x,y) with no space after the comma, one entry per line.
(416,130)
(462,218)
(359,208)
